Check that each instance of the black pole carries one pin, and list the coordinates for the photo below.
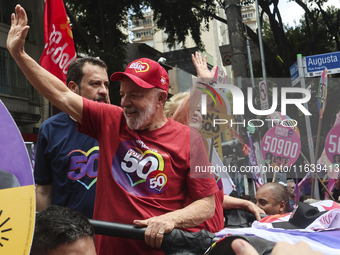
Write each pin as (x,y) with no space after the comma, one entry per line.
(118,229)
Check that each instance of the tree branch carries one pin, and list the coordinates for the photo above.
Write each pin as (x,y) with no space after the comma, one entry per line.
(79,30)
(212,15)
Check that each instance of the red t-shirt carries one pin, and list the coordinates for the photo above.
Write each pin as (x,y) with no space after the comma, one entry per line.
(141,174)
(216,223)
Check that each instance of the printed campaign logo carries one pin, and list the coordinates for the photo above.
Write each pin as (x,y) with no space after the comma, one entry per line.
(139,66)
(157,181)
(84,164)
(17,189)
(4,228)
(204,105)
(163,80)
(140,170)
(67,27)
(215,106)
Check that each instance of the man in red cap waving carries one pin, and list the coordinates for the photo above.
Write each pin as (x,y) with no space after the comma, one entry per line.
(144,172)
(144,88)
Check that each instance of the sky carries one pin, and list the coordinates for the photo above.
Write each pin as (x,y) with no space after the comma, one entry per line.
(291,11)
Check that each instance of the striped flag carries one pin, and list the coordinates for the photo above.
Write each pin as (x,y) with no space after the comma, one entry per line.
(325,241)
(321,235)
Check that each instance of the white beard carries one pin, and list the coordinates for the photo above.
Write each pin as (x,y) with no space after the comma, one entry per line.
(145,114)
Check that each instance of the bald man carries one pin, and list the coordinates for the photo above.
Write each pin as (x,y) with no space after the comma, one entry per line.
(273,198)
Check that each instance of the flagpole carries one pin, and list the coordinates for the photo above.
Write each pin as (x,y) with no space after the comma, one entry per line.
(322,96)
(316,153)
(329,193)
(274,176)
(307,119)
(211,149)
(263,174)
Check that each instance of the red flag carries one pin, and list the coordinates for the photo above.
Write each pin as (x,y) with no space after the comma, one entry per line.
(59,49)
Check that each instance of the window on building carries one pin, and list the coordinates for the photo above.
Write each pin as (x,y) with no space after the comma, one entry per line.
(141,34)
(248,15)
(3,72)
(135,23)
(166,48)
(5,17)
(31,36)
(142,22)
(5,12)
(12,80)
(146,21)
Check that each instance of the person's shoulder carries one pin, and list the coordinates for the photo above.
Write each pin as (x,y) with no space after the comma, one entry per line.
(90,104)
(178,128)
(177,124)
(184,129)
(194,134)
(55,118)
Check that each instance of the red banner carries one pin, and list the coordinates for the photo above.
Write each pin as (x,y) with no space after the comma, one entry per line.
(59,49)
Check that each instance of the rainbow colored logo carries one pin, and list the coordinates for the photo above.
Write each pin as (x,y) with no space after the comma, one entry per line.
(213,90)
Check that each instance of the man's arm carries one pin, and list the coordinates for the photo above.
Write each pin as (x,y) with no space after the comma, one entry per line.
(237,203)
(43,196)
(47,84)
(195,213)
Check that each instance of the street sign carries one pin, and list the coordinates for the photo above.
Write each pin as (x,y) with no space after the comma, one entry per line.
(227,60)
(263,95)
(226,53)
(317,63)
(294,74)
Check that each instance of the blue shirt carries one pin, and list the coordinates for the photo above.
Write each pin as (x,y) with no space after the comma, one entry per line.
(69,161)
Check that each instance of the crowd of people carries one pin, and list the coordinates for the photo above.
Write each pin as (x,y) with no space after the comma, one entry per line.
(273,161)
(143,172)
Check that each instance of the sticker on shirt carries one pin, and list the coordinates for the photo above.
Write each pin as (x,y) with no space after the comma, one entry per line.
(140,170)
(157,182)
(84,166)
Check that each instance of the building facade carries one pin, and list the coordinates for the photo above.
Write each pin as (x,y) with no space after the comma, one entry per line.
(27,107)
(145,31)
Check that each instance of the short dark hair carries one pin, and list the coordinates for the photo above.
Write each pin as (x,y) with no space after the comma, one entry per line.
(247,197)
(75,71)
(290,181)
(279,192)
(334,156)
(58,225)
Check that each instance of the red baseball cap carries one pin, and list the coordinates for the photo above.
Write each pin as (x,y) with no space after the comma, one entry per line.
(146,73)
